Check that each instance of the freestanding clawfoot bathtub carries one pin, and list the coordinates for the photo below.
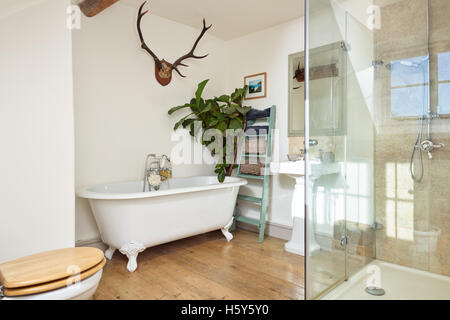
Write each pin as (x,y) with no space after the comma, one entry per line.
(131,220)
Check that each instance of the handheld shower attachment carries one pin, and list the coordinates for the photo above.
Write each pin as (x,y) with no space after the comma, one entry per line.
(420,145)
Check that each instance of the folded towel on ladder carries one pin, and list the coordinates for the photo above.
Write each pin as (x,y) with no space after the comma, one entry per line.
(257,114)
(255,130)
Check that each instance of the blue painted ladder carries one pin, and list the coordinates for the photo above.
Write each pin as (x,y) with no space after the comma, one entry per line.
(263,200)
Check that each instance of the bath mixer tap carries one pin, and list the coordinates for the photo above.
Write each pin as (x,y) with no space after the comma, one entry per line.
(150,168)
(166,168)
(158,169)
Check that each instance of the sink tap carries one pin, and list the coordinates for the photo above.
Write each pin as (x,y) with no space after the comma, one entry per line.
(297,156)
(313,142)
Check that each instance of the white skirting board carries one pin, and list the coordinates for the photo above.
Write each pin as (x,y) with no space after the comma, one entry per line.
(272,230)
(95,243)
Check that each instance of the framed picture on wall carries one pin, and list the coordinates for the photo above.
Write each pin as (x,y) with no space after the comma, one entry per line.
(257,86)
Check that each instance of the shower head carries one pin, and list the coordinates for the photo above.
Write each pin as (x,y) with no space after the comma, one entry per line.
(414,64)
(409,63)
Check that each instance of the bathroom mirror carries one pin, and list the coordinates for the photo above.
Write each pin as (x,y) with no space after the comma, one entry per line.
(327,82)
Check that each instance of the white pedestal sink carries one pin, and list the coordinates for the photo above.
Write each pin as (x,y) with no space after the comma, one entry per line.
(296,170)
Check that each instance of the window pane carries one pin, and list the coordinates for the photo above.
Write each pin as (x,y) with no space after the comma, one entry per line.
(444,98)
(444,66)
(409,71)
(409,97)
(409,102)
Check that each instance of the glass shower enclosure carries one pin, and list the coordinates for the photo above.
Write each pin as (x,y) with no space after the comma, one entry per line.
(377,106)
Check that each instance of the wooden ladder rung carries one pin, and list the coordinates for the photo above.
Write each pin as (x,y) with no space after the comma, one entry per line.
(249,176)
(256,135)
(247,220)
(253,155)
(250,198)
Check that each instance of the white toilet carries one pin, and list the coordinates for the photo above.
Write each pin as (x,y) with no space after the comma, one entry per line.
(65,274)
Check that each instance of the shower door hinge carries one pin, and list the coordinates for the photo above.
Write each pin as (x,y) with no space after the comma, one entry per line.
(344,241)
(377,226)
(345,46)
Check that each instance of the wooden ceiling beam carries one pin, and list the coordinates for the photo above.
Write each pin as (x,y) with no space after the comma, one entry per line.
(93,7)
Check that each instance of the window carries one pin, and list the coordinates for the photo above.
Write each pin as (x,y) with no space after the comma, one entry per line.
(409,87)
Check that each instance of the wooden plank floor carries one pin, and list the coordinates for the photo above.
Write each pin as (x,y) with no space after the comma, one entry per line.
(207,267)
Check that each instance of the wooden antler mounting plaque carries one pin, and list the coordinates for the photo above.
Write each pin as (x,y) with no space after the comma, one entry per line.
(93,7)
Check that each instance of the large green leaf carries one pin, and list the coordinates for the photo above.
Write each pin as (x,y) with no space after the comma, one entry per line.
(211,122)
(213,103)
(221,175)
(188,122)
(199,92)
(243,110)
(171,111)
(235,124)
(221,117)
(229,110)
(207,108)
(222,126)
(223,98)
(179,123)
(192,129)
(238,95)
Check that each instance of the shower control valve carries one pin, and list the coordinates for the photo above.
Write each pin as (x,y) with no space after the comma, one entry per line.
(428,146)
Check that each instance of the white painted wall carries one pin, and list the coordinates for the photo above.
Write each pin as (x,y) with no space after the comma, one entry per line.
(36,131)
(117,97)
(120,109)
(267,51)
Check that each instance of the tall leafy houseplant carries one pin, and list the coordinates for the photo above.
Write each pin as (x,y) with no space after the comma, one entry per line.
(221,113)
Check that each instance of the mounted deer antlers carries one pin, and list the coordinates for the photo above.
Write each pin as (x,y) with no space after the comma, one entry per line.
(163,69)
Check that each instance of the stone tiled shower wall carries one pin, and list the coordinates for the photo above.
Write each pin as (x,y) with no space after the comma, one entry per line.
(416,216)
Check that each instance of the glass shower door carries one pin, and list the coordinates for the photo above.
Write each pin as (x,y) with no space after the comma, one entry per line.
(325,125)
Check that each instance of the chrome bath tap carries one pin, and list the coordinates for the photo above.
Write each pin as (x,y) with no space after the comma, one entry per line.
(166,168)
(152,167)
(156,166)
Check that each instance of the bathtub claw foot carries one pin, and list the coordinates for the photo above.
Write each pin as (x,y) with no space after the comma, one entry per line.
(131,250)
(109,253)
(226,231)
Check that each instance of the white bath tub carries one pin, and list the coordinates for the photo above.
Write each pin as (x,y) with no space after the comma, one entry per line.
(131,220)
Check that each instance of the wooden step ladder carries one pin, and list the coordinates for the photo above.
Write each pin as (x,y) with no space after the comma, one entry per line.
(265,178)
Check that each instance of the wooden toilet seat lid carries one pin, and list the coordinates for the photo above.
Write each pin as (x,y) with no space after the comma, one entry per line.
(53,285)
(48,267)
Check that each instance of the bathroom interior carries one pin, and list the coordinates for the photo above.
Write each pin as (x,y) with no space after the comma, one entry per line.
(350,201)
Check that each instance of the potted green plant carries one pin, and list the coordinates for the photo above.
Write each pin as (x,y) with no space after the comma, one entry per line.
(221,113)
